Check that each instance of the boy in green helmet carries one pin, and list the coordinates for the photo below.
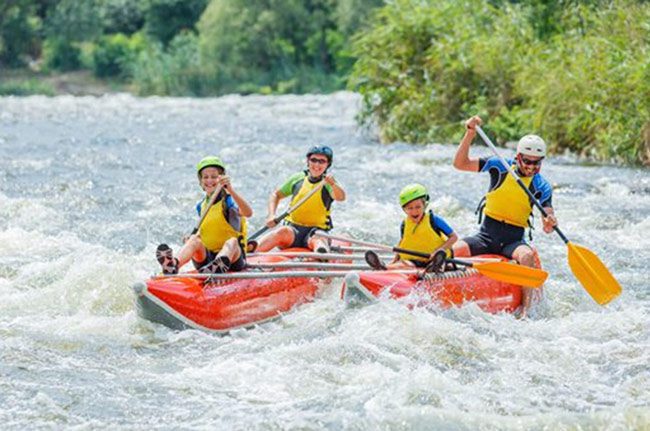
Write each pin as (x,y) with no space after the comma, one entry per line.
(421,231)
(219,243)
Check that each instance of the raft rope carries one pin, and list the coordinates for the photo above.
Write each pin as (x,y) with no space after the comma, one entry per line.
(461,273)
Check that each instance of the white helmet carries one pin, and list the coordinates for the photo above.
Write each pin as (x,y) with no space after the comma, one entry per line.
(532,145)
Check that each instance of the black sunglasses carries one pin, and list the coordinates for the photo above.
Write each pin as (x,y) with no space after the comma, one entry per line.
(526,161)
(319,161)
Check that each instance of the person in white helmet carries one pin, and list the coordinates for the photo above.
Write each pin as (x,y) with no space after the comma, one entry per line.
(506,208)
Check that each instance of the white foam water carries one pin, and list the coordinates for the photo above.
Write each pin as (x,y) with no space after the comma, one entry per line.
(89,187)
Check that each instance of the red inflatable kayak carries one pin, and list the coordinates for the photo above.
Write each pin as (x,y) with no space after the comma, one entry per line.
(186,301)
(451,288)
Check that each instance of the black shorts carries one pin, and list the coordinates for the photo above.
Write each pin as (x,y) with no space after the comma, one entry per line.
(495,237)
(301,235)
(235,266)
(418,263)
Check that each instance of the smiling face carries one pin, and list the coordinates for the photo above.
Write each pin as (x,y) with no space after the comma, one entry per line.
(415,209)
(529,165)
(208,178)
(317,165)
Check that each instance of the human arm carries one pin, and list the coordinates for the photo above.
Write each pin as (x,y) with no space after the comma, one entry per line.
(550,221)
(274,200)
(451,239)
(462,160)
(245,209)
(441,225)
(544,192)
(336,191)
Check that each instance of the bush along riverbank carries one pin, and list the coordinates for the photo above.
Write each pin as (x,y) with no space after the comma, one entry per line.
(578,75)
(576,72)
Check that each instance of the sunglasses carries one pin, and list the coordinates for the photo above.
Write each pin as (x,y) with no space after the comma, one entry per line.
(319,161)
(526,161)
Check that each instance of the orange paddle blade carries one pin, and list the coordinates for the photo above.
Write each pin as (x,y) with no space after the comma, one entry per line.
(593,274)
(512,273)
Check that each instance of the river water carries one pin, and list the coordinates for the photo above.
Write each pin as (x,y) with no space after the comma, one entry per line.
(89,187)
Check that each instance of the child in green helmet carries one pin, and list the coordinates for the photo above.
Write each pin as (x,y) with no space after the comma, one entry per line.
(218,244)
(421,231)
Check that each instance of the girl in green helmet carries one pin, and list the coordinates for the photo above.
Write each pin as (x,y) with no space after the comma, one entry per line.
(421,231)
(219,242)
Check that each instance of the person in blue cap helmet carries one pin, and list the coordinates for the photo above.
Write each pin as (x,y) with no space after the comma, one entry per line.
(313,214)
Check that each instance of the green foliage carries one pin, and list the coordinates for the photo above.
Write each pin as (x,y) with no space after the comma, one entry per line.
(74,21)
(113,54)
(582,83)
(590,92)
(174,71)
(18,32)
(352,15)
(166,18)
(122,16)
(25,88)
(277,45)
(61,54)
(267,46)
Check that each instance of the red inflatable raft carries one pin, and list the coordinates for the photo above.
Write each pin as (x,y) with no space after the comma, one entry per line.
(188,301)
(451,288)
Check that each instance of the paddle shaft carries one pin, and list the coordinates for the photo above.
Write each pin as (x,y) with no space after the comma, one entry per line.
(309,255)
(373,245)
(532,197)
(213,198)
(314,265)
(496,270)
(279,274)
(289,210)
(389,248)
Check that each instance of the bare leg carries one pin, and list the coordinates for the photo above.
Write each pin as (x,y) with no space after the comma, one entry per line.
(461,249)
(231,250)
(281,237)
(401,264)
(192,249)
(524,255)
(316,243)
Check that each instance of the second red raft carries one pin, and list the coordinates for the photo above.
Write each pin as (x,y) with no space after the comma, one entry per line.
(451,288)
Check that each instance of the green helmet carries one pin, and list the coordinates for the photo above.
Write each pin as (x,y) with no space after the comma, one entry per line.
(413,192)
(209,161)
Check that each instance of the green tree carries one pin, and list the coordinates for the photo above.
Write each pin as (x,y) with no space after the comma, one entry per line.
(18,32)
(291,44)
(166,18)
(122,16)
(584,84)
(66,24)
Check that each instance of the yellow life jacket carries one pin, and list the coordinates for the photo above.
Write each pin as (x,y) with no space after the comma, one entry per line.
(421,237)
(313,212)
(509,203)
(215,229)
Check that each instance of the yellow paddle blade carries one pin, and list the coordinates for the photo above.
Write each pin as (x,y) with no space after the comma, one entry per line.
(512,273)
(592,274)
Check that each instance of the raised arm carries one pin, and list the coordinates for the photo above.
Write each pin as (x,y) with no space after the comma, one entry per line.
(462,160)
(274,200)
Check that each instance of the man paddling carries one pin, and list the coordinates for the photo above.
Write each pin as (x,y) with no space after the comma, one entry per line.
(313,214)
(506,207)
